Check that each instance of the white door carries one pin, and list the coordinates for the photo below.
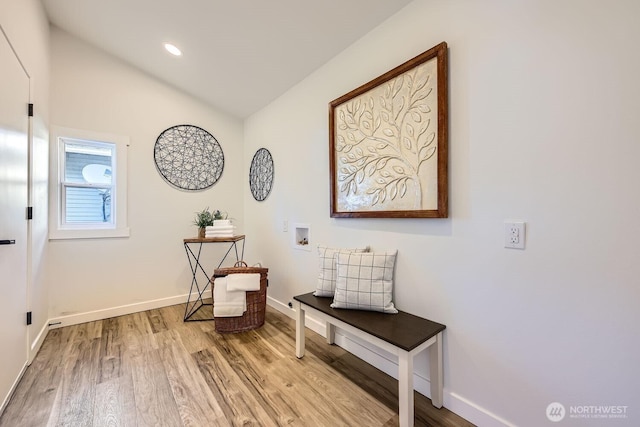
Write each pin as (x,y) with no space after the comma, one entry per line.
(14,99)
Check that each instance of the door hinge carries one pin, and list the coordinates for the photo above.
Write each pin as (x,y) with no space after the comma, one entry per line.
(30,110)
(29,212)
(28,317)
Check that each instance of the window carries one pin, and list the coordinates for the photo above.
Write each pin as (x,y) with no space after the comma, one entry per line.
(88,184)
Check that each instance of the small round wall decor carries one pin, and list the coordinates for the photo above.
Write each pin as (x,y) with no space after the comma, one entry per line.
(261,174)
(188,157)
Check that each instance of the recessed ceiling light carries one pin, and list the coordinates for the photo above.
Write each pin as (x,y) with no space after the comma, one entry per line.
(172,49)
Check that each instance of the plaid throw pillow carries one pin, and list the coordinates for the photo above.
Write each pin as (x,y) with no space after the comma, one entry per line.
(364,281)
(327,269)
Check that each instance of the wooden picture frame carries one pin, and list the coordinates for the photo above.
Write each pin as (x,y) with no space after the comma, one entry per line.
(388,147)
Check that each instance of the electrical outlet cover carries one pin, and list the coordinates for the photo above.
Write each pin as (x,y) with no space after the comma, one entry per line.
(514,234)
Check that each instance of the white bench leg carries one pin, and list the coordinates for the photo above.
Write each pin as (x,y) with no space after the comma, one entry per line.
(435,371)
(331,333)
(405,388)
(299,329)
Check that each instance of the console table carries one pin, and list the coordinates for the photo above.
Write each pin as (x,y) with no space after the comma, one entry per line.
(193,248)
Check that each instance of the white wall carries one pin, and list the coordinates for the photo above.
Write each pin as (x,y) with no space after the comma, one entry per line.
(27,28)
(92,91)
(544,97)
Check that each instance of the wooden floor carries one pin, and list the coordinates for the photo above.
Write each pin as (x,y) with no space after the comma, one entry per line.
(152,369)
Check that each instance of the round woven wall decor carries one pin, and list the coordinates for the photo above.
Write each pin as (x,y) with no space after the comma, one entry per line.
(261,174)
(188,157)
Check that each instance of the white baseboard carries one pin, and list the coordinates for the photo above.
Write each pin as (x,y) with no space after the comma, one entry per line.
(33,350)
(6,399)
(388,364)
(315,325)
(280,306)
(474,413)
(90,316)
(37,343)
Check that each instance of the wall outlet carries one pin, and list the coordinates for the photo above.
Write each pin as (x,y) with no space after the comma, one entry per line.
(514,234)
(285,225)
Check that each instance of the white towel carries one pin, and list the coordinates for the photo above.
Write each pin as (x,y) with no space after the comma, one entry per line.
(243,282)
(214,235)
(225,303)
(220,227)
(215,231)
(230,231)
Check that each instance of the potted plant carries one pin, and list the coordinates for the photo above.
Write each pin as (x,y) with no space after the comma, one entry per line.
(203,219)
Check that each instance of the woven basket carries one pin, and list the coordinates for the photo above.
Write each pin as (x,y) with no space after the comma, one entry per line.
(253,318)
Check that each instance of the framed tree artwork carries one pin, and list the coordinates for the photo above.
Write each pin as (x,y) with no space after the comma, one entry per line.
(388,143)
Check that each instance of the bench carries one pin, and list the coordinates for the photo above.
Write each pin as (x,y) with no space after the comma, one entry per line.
(402,334)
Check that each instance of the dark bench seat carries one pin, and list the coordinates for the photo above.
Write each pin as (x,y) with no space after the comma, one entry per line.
(402,334)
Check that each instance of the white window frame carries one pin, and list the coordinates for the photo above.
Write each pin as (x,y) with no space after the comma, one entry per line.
(117,227)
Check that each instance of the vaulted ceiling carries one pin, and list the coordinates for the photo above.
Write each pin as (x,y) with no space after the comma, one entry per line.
(237,55)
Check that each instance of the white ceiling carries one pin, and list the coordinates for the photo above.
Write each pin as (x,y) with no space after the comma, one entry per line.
(238,55)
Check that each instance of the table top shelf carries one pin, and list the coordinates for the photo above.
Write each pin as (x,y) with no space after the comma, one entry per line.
(214,239)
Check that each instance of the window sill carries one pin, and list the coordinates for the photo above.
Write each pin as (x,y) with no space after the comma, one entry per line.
(88,234)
